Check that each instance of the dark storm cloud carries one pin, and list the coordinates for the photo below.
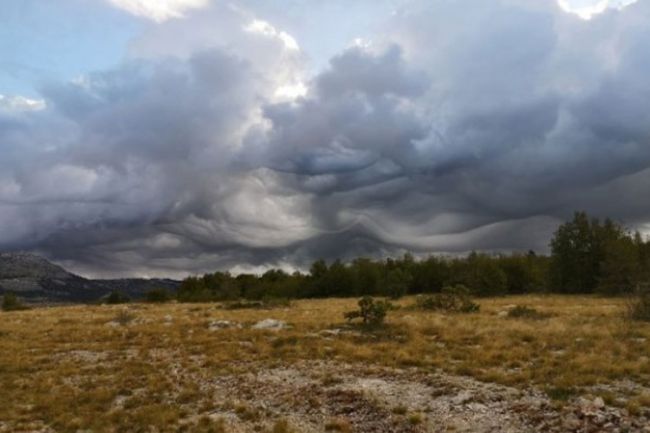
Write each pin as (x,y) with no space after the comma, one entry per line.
(457,128)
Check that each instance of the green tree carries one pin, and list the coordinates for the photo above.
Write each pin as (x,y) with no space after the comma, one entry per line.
(396,283)
(619,270)
(430,275)
(481,274)
(193,289)
(367,275)
(575,258)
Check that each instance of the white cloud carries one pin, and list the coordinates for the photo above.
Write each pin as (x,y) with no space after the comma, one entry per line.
(159,10)
(587,9)
(291,91)
(266,29)
(198,155)
(21,103)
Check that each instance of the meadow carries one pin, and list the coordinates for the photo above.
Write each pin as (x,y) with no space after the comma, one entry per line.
(179,367)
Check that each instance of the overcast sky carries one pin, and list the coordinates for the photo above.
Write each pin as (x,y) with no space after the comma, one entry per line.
(167,137)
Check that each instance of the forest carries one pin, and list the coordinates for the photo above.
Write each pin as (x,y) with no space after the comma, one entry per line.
(587,256)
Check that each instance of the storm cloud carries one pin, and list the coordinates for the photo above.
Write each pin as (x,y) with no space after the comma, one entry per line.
(454,126)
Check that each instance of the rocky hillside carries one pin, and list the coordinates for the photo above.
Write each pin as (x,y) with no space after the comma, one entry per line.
(35,279)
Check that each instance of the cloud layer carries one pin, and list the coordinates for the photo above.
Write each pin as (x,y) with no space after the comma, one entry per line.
(453,128)
(159,10)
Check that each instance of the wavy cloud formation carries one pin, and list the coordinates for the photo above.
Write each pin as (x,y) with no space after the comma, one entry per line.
(453,129)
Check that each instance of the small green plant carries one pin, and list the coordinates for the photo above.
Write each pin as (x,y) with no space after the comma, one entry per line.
(454,299)
(208,425)
(524,312)
(247,413)
(561,393)
(415,418)
(158,296)
(371,312)
(116,298)
(338,425)
(282,426)
(639,308)
(10,302)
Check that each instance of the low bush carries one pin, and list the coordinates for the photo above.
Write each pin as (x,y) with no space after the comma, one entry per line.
(371,312)
(524,312)
(639,308)
(454,299)
(117,298)
(158,296)
(10,302)
(561,393)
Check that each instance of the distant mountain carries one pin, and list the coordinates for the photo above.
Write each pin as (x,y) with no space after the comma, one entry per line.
(35,279)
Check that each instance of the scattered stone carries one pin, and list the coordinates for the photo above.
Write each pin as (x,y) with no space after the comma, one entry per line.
(217,325)
(462,398)
(330,332)
(270,324)
(599,403)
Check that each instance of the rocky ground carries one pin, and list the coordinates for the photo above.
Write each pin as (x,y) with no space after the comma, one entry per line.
(320,396)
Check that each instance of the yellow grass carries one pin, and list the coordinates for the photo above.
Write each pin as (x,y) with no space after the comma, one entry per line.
(75,367)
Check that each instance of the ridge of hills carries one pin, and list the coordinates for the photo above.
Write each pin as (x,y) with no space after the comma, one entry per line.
(37,280)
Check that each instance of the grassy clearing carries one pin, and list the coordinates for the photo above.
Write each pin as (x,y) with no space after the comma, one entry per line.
(123,368)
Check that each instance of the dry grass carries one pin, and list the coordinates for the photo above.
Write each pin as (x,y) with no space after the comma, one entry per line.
(86,367)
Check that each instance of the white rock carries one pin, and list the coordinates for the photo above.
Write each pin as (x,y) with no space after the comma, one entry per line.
(216,325)
(599,403)
(462,397)
(330,332)
(272,324)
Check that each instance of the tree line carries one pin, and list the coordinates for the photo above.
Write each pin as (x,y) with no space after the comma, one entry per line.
(587,256)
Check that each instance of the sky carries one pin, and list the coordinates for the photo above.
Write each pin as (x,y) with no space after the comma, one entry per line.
(175,137)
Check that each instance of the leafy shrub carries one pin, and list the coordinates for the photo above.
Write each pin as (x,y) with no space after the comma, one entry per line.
(524,312)
(639,309)
(158,296)
(453,299)
(371,312)
(117,298)
(11,302)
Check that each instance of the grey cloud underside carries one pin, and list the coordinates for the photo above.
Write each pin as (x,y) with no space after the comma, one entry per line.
(459,128)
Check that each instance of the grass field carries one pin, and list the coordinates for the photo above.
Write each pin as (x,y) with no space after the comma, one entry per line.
(147,367)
